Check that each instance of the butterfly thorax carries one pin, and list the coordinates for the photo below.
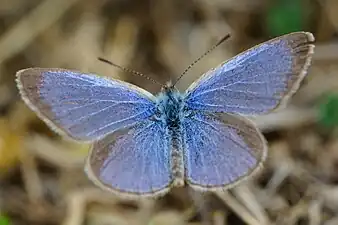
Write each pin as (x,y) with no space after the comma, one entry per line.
(170,106)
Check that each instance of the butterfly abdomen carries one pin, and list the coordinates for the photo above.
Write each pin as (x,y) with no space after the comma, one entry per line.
(177,165)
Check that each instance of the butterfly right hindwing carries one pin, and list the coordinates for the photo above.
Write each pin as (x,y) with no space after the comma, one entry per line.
(220,150)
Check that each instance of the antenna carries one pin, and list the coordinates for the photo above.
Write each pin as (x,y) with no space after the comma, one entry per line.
(202,56)
(129,71)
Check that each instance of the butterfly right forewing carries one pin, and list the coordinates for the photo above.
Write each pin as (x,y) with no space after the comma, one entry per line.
(256,81)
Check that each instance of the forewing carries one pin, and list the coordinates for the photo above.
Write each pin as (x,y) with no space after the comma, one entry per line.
(256,81)
(83,106)
(221,150)
(134,161)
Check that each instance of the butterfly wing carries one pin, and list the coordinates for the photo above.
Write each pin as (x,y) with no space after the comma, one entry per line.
(133,161)
(83,106)
(256,81)
(221,150)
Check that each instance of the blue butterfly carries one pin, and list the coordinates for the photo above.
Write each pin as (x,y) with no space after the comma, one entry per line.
(145,144)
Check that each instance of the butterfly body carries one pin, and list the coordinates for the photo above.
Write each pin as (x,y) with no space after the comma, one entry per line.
(170,113)
(144,144)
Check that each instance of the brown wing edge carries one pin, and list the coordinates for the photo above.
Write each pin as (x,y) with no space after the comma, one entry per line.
(35,73)
(305,50)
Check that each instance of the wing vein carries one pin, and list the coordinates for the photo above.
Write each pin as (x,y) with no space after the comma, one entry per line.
(119,121)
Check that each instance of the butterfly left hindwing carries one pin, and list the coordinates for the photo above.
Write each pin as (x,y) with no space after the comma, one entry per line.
(133,161)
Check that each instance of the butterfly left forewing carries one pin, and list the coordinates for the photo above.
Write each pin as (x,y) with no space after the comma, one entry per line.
(221,150)
(257,80)
(82,106)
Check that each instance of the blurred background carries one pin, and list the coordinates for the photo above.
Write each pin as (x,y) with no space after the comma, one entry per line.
(41,174)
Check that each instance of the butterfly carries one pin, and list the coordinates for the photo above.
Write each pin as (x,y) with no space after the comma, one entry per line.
(143,145)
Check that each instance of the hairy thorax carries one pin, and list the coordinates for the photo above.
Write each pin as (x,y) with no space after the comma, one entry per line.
(170,106)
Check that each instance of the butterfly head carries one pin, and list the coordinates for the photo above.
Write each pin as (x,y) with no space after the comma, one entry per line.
(167,86)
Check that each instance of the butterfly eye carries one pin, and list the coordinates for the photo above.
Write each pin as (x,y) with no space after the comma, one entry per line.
(158,113)
(186,111)
(185,108)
